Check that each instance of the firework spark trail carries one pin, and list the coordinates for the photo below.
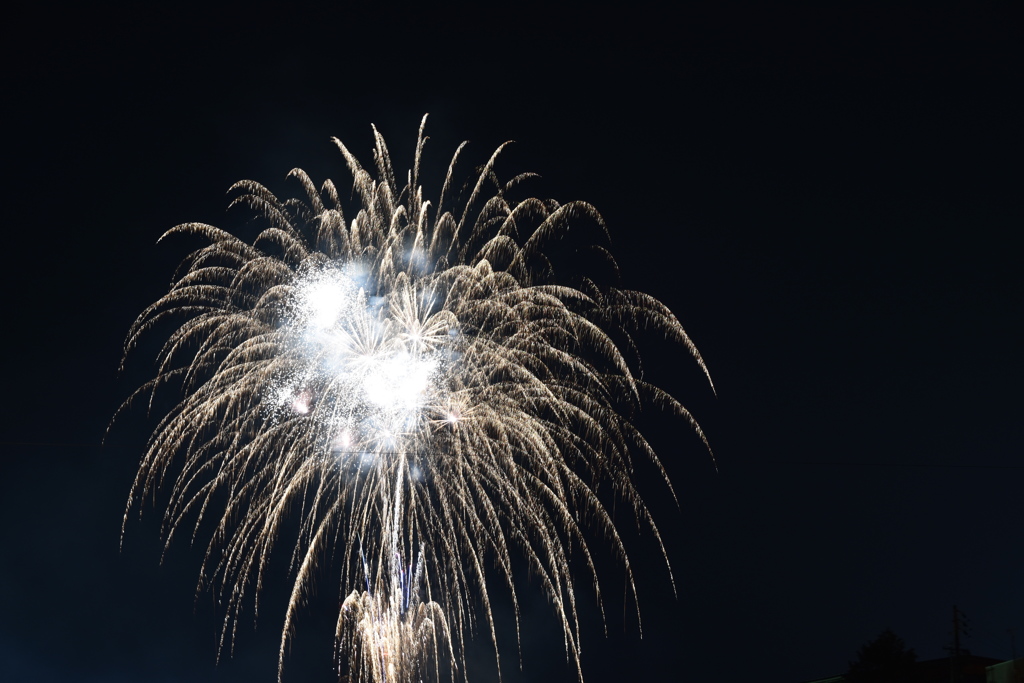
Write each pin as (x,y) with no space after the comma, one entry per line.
(413,382)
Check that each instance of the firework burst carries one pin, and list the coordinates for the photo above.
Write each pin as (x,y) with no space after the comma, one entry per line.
(417,388)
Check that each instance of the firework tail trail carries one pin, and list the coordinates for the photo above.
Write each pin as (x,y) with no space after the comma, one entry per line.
(412,381)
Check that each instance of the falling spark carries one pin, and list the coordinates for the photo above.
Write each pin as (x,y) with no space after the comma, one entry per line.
(410,382)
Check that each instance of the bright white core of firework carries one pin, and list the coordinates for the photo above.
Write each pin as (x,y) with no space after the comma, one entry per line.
(363,371)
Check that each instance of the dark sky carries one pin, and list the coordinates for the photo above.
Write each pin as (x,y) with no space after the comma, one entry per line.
(825,197)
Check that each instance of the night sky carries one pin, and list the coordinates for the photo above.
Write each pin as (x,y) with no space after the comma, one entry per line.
(826,198)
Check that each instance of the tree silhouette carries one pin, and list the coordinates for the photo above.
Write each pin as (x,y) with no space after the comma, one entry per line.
(885,659)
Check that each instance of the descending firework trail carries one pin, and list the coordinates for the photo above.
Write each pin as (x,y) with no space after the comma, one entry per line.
(415,386)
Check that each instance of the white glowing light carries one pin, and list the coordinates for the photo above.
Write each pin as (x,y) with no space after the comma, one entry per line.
(300,404)
(323,301)
(344,440)
(399,382)
(371,361)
